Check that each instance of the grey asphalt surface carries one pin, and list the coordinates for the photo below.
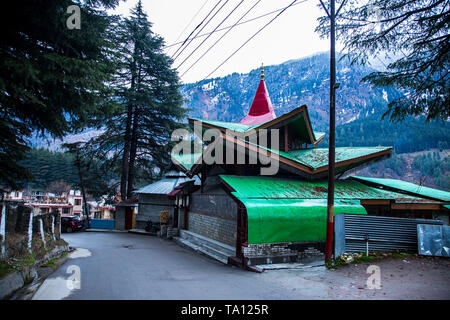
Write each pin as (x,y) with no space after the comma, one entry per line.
(132,266)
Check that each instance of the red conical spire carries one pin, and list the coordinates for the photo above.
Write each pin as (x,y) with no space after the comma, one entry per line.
(261,110)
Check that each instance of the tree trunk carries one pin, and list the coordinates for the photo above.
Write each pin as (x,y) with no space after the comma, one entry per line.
(132,161)
(85,205)
(126,153)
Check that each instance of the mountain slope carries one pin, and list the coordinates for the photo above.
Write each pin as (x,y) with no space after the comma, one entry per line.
(290,85)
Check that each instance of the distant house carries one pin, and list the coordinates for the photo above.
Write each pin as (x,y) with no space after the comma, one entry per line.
(14,196)
(165,195)
(66,204)
(101,210)
(76,199)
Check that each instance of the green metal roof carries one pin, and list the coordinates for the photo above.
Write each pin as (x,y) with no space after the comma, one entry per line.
(267,187)
(408,187)
(238,127)
(318,157)
(298,121)
(287,220)
(284,210)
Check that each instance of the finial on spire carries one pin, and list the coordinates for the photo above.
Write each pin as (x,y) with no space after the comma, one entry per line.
(262,71)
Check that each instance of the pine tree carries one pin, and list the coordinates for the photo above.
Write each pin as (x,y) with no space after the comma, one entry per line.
(416,34)
(51,77)
(136,136)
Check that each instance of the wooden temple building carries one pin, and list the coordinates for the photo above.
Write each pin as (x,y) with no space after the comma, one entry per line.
(251,215)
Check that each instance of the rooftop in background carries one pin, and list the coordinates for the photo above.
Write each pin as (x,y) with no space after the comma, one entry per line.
(165,186)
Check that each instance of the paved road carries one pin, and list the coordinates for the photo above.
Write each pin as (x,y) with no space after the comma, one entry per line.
(130,266)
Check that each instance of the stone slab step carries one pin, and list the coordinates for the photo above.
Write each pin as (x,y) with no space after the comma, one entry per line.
(203,250)
(202,240)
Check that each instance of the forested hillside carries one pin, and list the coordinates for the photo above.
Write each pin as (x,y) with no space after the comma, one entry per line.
(359,114)
(359,110)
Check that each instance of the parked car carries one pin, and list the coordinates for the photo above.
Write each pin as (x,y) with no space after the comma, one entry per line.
(71,223)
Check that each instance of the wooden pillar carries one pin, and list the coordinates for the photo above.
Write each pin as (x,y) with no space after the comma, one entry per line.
(286,140)
(185,217)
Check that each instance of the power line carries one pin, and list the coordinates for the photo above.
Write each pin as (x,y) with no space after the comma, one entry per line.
(237,6)
(197,27)
(292,3)
(187,45)
(236,23)
(228,27)
(195,16)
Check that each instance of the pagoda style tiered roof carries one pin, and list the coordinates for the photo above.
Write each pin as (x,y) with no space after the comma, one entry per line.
(296,149)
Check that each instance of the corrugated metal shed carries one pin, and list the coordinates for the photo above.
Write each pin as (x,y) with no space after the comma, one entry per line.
(406,187)
(166,185)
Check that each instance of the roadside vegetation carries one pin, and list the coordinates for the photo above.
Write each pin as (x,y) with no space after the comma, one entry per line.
(355,258)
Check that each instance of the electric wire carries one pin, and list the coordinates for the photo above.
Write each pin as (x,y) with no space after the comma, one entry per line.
(187,45)
(183,42)
(195,16)
(237,6)
(231,28)
(228,27)
(248,40)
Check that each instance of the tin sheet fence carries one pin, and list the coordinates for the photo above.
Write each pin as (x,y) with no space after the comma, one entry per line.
(107,224)
(354,232)
(434,240)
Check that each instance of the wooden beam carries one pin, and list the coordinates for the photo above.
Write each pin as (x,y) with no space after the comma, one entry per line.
(286,139)
(415,206)
(375,202)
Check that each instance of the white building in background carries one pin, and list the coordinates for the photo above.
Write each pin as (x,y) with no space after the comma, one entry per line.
(75,198)
(14,196)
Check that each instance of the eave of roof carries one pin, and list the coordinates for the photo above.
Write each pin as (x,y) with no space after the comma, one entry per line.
(316,160)
(265,187)
(164,186)
(406,187)
(247,130)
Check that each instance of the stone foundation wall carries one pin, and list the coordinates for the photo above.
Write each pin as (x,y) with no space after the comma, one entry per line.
(223,230)
(294,250)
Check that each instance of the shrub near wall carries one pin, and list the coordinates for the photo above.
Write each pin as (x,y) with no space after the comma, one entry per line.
(27,235)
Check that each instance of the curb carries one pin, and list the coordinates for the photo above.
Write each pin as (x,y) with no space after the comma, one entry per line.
(104,230)
(143,232)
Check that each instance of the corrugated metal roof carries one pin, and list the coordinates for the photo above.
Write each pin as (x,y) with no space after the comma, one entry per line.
(403,186)
(238,127)
(318,157)
(283,188)
(312,158)
(166,185)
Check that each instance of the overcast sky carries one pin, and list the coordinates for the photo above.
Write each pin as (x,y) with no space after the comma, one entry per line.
(290,36)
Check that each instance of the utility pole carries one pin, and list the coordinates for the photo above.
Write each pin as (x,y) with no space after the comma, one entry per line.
(331,149)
